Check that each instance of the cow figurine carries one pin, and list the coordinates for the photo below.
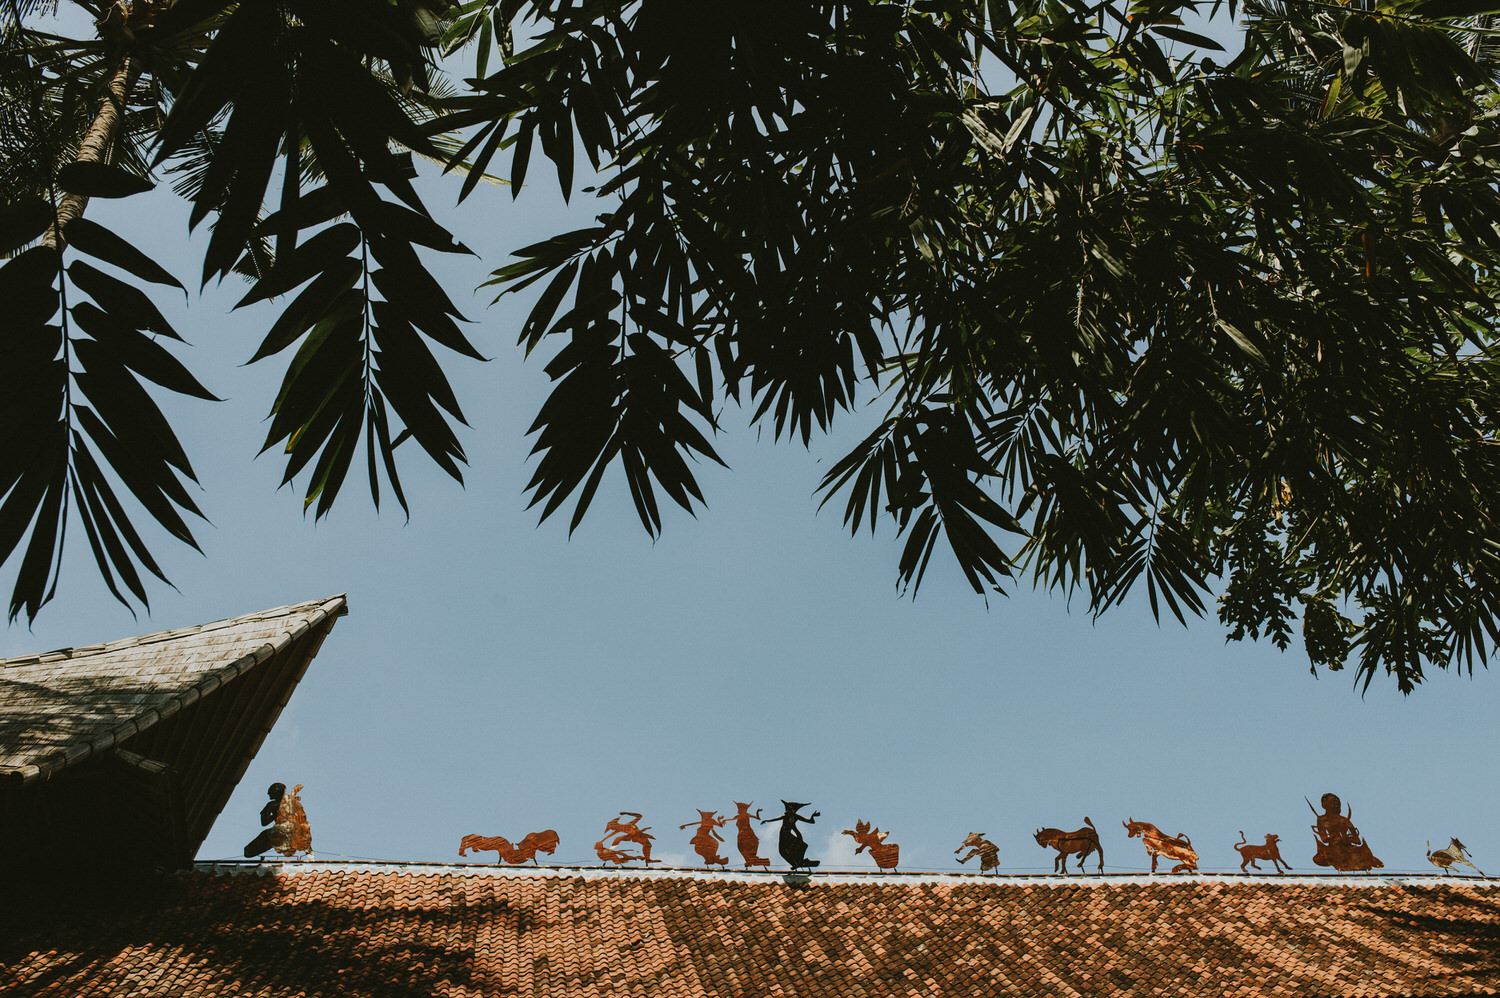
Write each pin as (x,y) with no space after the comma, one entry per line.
(1447,858)
(1083,842)
(1159,843)
(978,845)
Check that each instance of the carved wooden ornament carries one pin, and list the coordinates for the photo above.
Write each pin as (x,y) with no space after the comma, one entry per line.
(1339,844)
(1158,843)
(706,840)
(978,845)
(1083,842)
(525,850)
(885,854)
(747,841)
(1270,852)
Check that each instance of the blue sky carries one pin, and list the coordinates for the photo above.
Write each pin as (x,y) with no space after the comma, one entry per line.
(497,677)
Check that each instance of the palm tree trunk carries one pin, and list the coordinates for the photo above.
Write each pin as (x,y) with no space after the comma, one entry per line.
(98,142)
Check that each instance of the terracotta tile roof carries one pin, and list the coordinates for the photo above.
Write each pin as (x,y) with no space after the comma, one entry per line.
(62,707)
(314,929)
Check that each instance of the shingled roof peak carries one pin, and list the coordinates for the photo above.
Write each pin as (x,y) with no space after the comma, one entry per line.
(182,711)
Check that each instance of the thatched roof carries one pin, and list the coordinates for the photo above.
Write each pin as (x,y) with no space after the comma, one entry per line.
(401,931)
(165,723)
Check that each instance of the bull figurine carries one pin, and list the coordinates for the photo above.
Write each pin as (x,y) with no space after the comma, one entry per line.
(1159,843)
(1083,842)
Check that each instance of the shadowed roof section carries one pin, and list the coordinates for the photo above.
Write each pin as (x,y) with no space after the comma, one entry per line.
(149,733)
(324,929)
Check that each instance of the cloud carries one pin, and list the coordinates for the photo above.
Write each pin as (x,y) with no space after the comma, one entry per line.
(838,851)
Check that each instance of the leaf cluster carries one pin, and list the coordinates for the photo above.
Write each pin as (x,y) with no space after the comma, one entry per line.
(1134,316)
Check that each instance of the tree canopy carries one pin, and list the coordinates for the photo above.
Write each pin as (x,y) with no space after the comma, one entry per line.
(1132,310)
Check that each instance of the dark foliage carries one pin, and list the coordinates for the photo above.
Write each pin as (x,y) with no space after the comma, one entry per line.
(1143,313)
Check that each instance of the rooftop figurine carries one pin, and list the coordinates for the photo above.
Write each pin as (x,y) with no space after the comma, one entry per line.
(792,846)
(289,833)
(1269,852)
(1083,842)
(525,850)
(1447,858)
(706,840)
(978,845)
(617,832)
(1339,844)
(886,855)
(1158,843)
(747,841)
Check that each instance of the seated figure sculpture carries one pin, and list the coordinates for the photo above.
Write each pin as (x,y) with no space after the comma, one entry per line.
(1339,844)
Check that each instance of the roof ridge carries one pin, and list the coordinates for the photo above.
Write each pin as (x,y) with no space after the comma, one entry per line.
(842,877)
(195,685)
(156,637)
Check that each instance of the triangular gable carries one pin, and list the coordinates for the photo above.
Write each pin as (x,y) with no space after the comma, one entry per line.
(149,734)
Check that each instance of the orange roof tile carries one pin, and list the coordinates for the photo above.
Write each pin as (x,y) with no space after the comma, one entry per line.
(350,929)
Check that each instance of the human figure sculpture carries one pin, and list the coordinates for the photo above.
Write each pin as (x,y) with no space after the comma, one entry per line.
(792,846)
(978,845)
(289,833)
(747,841)
(1339,844)
(706,840)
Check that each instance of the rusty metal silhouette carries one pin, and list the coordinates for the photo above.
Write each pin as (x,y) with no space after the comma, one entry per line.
(289,833)
(1270,852)
(1447,858)
(1083,842)
(886,854)
(706,840)
(978,845)
(1158,843)
(791,845)
(617,832)
(1339,844)
(747,841)
(521,852)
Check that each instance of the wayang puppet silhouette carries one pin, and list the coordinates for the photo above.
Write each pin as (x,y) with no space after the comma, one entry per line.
(747,841)
(792,846)
(706,840)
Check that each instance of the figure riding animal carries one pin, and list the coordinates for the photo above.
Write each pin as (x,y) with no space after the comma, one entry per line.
(1456,853)
(522,851)
(886,856)
(1159,843)
(978,845)
(1269,852)
(1083,842)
